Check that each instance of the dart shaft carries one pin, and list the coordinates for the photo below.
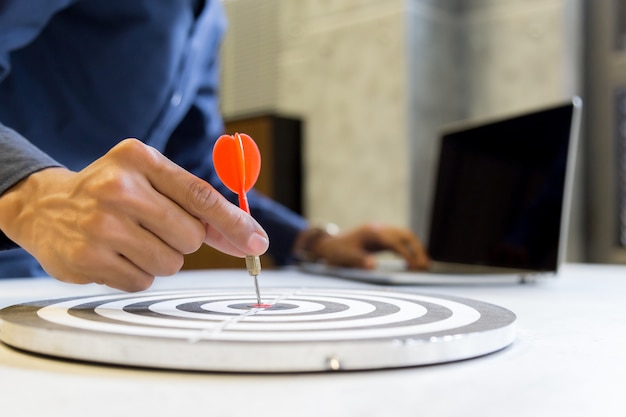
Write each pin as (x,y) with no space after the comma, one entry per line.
(243,202)
(253,265)
(258,293)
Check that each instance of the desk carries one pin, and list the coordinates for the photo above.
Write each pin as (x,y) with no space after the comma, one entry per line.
(568,360)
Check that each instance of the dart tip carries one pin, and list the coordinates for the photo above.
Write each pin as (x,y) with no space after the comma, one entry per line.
(258,293)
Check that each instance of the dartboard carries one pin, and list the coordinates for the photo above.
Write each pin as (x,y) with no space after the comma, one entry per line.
(297,330)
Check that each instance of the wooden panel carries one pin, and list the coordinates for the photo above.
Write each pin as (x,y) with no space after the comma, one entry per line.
(278,139)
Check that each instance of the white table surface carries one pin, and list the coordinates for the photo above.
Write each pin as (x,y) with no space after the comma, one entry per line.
(569,359)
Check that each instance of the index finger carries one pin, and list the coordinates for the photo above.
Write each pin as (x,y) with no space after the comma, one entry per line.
(200,199)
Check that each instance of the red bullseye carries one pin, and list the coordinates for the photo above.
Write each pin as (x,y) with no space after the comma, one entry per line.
(262,305)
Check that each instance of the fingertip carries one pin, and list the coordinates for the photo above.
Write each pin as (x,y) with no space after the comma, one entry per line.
(369,262)
(140,284)
(421,264)
(258,244)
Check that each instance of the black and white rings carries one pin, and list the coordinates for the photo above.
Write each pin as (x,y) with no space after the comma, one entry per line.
(306,329)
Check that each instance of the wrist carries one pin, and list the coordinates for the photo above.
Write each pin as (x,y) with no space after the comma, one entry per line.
(17,203)
(309,241)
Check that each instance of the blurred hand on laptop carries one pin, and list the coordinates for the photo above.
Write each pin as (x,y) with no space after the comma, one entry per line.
(357,248)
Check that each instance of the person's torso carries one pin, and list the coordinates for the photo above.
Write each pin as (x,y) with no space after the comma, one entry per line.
(104,70)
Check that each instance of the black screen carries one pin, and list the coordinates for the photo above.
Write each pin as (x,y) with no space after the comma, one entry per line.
(500,192)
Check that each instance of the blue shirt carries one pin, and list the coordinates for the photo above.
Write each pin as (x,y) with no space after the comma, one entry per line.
(78,76)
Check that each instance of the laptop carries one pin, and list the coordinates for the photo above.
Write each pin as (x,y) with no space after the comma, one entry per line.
(500,204)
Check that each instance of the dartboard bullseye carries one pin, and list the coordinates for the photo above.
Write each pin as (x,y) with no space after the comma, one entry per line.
(304,329)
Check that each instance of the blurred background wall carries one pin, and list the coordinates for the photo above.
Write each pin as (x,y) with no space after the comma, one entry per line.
(374,80)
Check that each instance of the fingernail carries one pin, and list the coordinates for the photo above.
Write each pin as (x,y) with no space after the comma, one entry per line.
(258,244)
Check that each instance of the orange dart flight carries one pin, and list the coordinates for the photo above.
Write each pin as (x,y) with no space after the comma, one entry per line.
(237,161)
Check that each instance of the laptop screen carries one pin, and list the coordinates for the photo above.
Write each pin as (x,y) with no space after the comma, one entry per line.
(502,191)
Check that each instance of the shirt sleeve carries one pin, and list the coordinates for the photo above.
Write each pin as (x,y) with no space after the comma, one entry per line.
(18,159)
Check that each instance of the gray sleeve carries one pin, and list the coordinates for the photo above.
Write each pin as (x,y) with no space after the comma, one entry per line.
(18,159)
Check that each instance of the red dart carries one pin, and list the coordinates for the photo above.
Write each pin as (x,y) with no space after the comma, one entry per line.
(237,161)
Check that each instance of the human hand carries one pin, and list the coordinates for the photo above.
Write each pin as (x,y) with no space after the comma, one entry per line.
(126,218)
(355,248)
